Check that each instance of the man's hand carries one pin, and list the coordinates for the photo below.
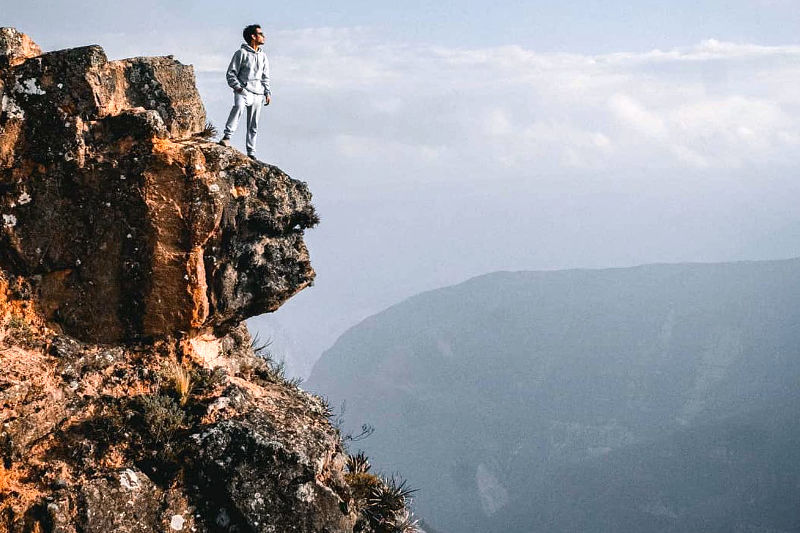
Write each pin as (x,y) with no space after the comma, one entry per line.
(238,90)
(267,100)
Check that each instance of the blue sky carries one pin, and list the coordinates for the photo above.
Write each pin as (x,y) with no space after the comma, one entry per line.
(583,26)
(445,140)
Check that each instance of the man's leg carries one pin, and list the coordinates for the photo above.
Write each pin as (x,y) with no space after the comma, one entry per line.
(253,113)
(239,102)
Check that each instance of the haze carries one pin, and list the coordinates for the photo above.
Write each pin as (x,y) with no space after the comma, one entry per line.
(450,140)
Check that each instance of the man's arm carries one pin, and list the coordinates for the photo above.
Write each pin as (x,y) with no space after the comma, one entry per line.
(233,70)
(265,81)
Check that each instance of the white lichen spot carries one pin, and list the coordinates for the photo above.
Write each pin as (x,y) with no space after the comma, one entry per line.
(28,86)
(77,262)
(305,492)
(10,107)
(24,198)
(213,187)
(177,522)
(129,236)
(220,403)
(60,85)
(9,221)
(122,177)
(108,204)
(38,250)
(129,480)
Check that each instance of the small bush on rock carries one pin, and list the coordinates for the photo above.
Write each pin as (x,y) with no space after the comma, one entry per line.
(20,330)
(384,504)
(161,418)
(358,463)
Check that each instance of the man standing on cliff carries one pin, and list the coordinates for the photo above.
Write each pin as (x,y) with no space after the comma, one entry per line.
(248,76)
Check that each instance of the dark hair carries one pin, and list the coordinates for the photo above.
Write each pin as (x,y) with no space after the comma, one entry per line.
(249,31)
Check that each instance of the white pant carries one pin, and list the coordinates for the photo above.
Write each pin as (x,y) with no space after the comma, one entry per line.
(253,103)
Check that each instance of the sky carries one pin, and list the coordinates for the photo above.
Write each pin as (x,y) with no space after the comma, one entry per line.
(444,140)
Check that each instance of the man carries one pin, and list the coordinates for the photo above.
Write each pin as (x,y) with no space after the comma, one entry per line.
(248,76)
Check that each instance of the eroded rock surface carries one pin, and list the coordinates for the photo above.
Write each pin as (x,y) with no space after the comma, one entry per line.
(132,398)
(127,221)
(16,47)
(99,439)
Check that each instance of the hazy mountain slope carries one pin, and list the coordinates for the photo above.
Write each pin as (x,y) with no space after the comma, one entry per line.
(737,474)
(482,391)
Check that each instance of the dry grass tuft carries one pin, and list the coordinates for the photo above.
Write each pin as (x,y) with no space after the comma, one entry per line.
(180,380)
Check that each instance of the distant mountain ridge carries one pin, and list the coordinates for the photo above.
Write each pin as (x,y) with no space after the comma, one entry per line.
(488,392)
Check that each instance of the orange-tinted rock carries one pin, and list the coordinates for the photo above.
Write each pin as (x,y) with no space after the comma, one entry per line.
(16,47)
(128,223)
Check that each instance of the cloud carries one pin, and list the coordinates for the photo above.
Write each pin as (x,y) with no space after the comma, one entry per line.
(715,105)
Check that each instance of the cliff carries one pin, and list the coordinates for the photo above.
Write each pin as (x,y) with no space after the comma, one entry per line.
(131,250)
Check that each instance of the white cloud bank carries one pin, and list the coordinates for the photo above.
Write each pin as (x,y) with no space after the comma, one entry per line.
(716,105)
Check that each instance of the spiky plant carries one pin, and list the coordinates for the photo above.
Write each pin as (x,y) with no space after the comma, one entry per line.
(260,348)
(403,522)
(208,131)
(358,463)
(327,410)
(389,498)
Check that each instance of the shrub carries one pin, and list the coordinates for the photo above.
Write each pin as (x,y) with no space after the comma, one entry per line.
(266,366)
(209,131)
(358,463)
(161,417)
(205,380)
(362,484)
(390,497)
(388,507)
(384,503)
(20,330)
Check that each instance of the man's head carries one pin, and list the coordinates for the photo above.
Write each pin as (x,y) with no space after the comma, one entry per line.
(253,35)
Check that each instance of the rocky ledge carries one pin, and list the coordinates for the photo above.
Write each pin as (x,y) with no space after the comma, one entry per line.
(131,250)
(132,223)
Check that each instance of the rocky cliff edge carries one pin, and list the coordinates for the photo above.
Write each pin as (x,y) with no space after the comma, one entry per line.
(132,398)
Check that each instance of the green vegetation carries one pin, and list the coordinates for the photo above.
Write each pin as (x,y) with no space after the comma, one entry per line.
(384,503)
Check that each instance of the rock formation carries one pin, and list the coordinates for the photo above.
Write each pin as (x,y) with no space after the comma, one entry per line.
(136,226)
(131,250)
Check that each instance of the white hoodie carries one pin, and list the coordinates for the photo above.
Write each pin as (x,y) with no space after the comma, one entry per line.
(249,70)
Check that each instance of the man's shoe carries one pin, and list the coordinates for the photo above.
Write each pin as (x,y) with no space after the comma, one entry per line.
(252,156)
(225,141)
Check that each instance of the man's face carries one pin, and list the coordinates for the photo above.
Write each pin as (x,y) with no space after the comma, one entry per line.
(259,36)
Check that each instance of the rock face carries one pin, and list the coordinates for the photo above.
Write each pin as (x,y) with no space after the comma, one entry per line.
(98,439)
(132,224)
(121,225)
(16,47)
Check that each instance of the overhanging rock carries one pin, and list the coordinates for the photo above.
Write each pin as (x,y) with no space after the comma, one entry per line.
(127,221)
